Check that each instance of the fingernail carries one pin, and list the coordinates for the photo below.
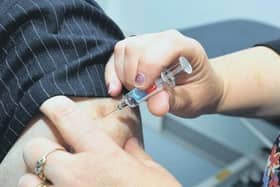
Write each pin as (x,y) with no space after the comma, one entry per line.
(110,88)
(140,78)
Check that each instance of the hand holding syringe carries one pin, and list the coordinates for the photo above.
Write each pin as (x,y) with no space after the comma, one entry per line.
(138,61)
(167,79)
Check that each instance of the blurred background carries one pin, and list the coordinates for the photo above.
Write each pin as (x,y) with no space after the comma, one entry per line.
(152,16)
(212,150)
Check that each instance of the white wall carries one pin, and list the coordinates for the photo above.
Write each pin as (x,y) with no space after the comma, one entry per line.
(140,16)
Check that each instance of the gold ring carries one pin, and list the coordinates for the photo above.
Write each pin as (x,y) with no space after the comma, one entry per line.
(43,184)
(40,164)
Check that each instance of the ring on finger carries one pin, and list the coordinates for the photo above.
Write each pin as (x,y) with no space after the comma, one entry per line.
(40,164)
(43,184)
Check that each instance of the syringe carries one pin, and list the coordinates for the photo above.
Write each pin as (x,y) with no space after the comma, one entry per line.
(167,79)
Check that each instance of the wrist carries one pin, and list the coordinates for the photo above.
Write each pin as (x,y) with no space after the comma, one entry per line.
(222,84)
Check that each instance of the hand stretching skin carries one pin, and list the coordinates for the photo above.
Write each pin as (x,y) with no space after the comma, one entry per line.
(97,161)
(120,126)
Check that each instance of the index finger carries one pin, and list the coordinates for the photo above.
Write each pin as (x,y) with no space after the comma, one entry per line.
(166,52)
(76,127)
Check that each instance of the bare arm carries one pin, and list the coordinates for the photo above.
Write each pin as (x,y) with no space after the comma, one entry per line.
(120,126)
(251,82)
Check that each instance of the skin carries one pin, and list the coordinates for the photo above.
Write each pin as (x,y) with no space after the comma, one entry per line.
(246,82)
(251,82)
(215,86)
(92,147)
(120,126)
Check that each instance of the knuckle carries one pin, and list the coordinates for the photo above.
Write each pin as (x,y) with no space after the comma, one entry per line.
(129,49)
(119,46)
(133,47)
(30,147)
(149,64)
(196,43)
(63,113)
(119,72)
(62,110)
(173,33)
(198,48)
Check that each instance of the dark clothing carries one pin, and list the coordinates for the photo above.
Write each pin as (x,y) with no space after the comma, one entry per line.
(48,48)
(274,45)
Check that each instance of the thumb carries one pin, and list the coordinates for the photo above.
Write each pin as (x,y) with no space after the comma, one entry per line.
(113,83)
(159,103)
(134,148)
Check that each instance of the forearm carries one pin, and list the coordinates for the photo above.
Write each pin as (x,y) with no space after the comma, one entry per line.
(251,82)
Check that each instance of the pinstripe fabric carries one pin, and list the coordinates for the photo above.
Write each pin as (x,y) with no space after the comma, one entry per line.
(48,48)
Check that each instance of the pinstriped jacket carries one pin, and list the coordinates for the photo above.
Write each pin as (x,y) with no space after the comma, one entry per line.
(48,48)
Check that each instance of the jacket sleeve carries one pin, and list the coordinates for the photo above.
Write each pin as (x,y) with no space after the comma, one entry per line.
(49,48)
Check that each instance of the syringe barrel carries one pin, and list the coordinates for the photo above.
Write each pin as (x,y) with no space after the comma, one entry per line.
(136,96)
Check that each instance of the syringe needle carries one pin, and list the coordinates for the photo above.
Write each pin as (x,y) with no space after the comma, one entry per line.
(120,106)
(111,112)
(167,79)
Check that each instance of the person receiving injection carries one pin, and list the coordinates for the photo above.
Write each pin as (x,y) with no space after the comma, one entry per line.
(244,83)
